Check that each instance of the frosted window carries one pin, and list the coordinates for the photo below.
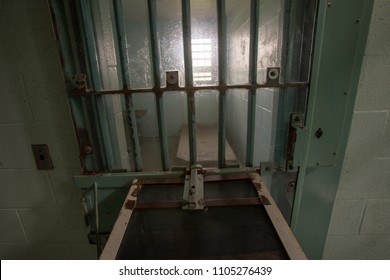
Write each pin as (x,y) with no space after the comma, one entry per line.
(204,42)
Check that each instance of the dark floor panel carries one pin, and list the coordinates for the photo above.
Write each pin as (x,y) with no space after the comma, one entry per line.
(243,232)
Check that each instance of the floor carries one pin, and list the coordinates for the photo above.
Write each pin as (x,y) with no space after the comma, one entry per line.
(178,149)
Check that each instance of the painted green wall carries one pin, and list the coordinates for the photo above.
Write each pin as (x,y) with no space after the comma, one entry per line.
(339,48)
(360,224)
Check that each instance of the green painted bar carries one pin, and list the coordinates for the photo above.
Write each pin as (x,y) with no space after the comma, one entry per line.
(120,29)
(134,132)
(97,101)
(253,52)
(186,21)
(222,45)
(162,130)
(117,180)
(63,39)
(124,63)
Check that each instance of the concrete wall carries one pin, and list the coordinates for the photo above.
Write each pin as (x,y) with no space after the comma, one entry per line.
(40,215)
(360,224)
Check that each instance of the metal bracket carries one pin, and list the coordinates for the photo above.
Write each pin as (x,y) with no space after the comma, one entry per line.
(297,120)
(266,168)
(80,82)
(193,198)
(42,157)
(273,76)
(172,78)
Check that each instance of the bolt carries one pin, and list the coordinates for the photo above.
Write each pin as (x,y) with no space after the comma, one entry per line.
(87,149)
(291,187)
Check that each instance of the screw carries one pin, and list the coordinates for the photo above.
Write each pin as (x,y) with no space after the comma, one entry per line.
(358,20)
(291,187)
(329,4)
(87,149)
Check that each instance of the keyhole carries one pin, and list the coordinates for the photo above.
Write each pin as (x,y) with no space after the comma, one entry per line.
(319,133)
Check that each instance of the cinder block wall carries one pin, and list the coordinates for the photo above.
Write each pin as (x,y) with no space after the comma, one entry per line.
(40,216)
(360,225)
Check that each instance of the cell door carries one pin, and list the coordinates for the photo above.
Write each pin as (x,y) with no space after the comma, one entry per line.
(160,86)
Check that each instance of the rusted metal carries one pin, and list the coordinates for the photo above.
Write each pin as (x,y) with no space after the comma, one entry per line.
(207,203)
(136,191)
(264,200)
(130,204)
(189,88)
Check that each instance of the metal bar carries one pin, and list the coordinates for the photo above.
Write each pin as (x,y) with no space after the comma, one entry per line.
(222,60)
(98,102)
(208,178)
(208,203)
(162,130)
(186,21)
(153,42)
(124,64)
(123,57)
(69,65)
(187,88)
(115,180)
(97,224)
(253,52)
(134,133)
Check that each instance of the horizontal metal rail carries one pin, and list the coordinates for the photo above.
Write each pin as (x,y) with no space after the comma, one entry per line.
(117,180)
(223,202)
(192,88)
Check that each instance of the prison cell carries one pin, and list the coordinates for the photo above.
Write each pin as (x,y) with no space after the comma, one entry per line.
(158,87)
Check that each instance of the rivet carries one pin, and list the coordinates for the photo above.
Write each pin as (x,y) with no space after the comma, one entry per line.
(87,149)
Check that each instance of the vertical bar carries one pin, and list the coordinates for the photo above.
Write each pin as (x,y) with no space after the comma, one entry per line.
(162,130)
(134,132)
(97,101)
(97,224)
(124,64)
(253,52)
(186,21)
(69,64)
(123,57)
(222,60)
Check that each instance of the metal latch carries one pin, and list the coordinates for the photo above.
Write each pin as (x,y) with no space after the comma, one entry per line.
(297,120)
(193,198)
